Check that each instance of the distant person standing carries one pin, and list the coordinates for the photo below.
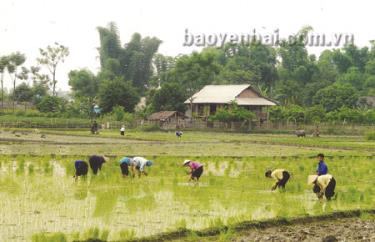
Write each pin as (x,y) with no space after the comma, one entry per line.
(322,168)
(196,169)
(324,185)
(125,163)
(81,168)
(139,164)
(280,175)
(94,127)
(96,162)
(122,130)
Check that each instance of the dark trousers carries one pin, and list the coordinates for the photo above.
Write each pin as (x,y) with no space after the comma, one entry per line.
(196,174)
(285,179)
(124,169)
(95,166)
(81,169)
(122,132)
(330,189)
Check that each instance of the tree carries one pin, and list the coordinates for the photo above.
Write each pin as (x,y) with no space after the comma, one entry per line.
(336,96)
(15,60)
(194,71)
(39,91)
(170,97)
(163,65)
(118,92)
(134,60)
(50,104)
(51,57)
(254,63)
(23,93)
(84,83)
(3,67)
(110,45)
(354,77)
(315,114)
(293,52)
(39,78)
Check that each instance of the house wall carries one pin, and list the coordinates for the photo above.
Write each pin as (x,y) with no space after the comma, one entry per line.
(248,93)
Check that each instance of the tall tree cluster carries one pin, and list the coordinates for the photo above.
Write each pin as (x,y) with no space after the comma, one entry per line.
(125,74)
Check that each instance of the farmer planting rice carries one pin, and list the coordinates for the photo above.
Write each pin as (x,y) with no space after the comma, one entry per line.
(280,175)
(324,185)
(179,133)
(81,168)
(139,164)
(125,163)
(322,167)
(196,169)
(96,162)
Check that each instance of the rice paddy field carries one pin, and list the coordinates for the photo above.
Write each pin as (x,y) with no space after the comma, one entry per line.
(40,201)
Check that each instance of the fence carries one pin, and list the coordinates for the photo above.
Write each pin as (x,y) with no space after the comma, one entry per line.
(267,127)
(195,124)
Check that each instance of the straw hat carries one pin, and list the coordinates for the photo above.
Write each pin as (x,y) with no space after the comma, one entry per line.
(186,162)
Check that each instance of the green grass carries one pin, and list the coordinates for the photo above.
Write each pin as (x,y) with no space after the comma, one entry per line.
(370,136)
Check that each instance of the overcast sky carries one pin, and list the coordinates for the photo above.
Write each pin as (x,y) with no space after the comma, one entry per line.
(26,25)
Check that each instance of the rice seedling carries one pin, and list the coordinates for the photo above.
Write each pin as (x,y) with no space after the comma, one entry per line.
(231,190)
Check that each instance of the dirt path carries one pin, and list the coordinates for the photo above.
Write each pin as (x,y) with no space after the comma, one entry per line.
(353,229)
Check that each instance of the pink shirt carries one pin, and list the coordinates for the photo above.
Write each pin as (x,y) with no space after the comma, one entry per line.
(194,165)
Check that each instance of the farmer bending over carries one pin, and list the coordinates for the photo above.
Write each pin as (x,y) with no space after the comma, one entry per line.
(280,175)
(322,167)
(96,162)
(125,162)
(179,133)
(81,169)
(324,185)
(139,164)
(196,169)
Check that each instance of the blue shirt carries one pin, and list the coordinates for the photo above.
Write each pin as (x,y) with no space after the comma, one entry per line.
(78,163)
(322,168)
(126,160)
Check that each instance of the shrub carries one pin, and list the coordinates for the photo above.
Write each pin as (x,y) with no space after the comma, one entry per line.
(118,112)
(276,114)
(50,104)
(233,113)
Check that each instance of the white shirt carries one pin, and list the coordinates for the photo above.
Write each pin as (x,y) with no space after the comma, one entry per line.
(122,129)
(323,181)
(140,162)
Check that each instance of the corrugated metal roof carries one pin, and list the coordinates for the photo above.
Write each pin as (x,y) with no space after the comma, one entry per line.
(225,94)
(218,93)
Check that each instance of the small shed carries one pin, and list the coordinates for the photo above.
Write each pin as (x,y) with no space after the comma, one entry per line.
(168,119)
